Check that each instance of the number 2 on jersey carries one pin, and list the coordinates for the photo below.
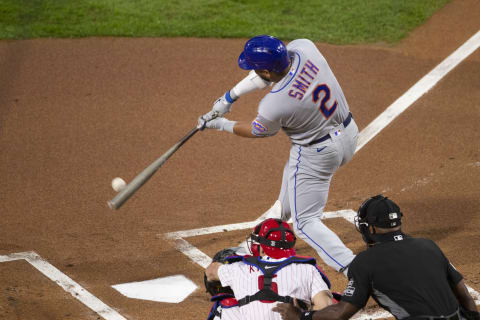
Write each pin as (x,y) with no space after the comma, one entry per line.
(324,109)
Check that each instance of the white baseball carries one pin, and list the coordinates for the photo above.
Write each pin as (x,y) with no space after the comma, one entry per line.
(118,184)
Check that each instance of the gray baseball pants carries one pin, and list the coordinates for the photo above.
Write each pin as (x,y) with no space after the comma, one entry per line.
(305,184)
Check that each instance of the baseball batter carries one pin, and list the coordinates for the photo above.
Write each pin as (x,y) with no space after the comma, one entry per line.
(308,104)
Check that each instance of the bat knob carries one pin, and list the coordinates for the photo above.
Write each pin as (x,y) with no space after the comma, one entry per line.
(111,205)
(201,123)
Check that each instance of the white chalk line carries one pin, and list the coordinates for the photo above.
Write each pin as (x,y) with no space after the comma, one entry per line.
(67,284)
(204,260)
(418,90)
(209,230)
(367,134)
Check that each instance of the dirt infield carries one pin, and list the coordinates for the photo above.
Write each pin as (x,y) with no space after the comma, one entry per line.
(75,113)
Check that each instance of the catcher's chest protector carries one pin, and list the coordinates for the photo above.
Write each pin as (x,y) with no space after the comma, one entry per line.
(267,294)
(221,301)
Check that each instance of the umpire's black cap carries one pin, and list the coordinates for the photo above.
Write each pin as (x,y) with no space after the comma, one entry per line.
(382,212)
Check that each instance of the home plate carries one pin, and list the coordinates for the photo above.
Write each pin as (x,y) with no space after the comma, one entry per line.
(173,289)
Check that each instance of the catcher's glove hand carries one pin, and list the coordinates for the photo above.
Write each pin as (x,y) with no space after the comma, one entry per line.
(221,255)
(215,287)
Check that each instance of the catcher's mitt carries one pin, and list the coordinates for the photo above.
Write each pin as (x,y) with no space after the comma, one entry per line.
(221,255)
(215,287)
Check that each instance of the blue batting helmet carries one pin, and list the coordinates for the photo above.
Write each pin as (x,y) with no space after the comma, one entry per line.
(264,52)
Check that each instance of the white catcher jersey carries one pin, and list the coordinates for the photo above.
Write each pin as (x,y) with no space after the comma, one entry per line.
(302,281)
(307,103)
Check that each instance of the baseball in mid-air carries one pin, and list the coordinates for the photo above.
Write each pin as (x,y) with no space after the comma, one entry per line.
(118,184)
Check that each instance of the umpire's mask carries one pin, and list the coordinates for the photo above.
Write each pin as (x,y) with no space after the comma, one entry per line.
(377,211)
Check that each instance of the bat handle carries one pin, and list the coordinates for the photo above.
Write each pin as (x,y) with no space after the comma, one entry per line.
(201,126)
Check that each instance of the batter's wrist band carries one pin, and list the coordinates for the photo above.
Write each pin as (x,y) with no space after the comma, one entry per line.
(307,315)
(229,98)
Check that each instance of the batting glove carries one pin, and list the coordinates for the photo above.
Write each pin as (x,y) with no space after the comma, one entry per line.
(221,124)
(202,121)
(223,104)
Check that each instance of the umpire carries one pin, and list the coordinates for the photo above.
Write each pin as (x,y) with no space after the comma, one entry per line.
(409,277)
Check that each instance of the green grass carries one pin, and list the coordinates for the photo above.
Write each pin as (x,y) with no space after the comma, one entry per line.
(333,21)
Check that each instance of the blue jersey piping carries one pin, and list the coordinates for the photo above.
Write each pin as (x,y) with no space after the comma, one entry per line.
(295,205)
(299,62)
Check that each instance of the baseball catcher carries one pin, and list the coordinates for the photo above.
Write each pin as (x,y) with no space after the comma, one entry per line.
(274,273)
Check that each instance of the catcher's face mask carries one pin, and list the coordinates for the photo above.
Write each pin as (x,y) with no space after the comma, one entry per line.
(252,244)
(275,238)
(377,211)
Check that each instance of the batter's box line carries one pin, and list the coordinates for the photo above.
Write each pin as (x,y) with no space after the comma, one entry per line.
(204,260)
(67,284)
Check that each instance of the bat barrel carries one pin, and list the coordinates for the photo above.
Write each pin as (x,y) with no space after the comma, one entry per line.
(130,189)
(146,174)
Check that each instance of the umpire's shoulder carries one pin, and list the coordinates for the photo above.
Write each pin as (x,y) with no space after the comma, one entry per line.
(422,242)
(361,258)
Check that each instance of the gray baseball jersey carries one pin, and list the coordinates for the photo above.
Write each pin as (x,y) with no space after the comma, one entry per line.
(308,104)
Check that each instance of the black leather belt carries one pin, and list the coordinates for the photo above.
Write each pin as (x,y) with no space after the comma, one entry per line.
(327,136)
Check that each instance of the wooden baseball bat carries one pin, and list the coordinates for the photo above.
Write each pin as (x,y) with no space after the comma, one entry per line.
(147,173)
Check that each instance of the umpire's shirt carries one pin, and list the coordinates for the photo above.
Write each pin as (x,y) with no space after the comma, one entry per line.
(407,276)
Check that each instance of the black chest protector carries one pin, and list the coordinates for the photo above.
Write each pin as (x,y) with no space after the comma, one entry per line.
(269,270)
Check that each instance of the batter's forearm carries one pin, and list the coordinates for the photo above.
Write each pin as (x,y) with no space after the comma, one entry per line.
(250,83)
(244,129)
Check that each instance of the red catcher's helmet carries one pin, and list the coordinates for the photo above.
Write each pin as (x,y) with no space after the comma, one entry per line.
(275,237)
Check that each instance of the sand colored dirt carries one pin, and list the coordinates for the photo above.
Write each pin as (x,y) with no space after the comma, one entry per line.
(75,113)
